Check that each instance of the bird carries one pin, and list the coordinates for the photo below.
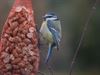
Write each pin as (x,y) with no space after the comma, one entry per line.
(51,32)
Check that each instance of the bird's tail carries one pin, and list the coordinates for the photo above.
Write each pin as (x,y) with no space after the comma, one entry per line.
(49,53)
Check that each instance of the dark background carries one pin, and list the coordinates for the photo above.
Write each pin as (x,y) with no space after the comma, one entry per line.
(73,15)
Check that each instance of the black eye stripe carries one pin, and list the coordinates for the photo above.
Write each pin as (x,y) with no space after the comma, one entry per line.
(48,16)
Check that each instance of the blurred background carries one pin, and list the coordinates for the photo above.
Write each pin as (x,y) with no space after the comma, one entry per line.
(73,15)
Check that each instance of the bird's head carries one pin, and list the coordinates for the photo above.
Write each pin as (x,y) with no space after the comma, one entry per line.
(50,16)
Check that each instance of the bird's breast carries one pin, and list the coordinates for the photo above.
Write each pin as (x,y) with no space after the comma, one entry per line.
(47,35)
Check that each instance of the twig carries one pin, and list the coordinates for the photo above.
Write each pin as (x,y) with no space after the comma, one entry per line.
(50,69)
(81,39)
(41,73)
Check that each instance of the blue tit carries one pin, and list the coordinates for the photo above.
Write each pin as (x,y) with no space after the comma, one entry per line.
(51,32)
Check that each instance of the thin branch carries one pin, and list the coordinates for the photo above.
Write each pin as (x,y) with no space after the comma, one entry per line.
(50,70)
(81,39)
(49,67)
(41,73)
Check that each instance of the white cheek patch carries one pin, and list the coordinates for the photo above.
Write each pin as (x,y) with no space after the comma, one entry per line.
(51,18)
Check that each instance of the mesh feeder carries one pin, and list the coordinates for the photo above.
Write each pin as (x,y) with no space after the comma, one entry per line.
(19,53)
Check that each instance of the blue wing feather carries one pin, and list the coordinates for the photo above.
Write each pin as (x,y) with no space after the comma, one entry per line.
(56,35)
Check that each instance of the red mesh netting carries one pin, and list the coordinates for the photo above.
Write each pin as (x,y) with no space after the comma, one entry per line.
(19,53)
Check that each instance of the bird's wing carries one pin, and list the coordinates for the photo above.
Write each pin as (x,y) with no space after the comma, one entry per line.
(56,34)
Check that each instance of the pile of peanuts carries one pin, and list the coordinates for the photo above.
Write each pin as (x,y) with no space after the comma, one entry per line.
(19,52)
